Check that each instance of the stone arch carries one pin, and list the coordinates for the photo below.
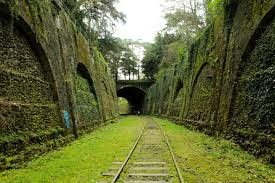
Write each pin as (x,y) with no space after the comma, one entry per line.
(28,94)
(176,97)
(252,108)
(84,73)
(29,111)
(262,26)
(135,97)
(86,99)
(131,86)
(197,77)
(178,87)
(200,95)
(23,27)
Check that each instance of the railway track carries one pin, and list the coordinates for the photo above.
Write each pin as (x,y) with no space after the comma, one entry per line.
(151,160)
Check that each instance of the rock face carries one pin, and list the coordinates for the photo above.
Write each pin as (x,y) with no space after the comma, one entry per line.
(53,82)
(225,82)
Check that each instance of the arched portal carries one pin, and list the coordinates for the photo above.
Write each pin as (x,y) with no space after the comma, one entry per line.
(252,107)
(30,116)
(135,97)
(201,92)
(28,98)
(87,104)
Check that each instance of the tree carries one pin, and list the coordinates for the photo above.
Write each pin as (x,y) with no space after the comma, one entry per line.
(112,49)
(152,57)
(128,63)
(119,55)
(155,53)
(98,17)
(173,54)
(186,18)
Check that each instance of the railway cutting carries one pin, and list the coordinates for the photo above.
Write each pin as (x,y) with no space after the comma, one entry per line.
(151,160)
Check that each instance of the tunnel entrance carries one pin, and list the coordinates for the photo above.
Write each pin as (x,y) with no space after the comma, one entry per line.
(134,96)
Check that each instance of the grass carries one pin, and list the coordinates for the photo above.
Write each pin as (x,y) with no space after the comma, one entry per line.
(123,106)
(201,158)
(206,159)
(83,160)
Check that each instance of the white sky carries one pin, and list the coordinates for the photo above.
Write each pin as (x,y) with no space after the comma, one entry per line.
(144,19)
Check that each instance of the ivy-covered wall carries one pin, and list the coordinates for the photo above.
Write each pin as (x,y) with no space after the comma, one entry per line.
(54,83)
(224,83)
(86,101)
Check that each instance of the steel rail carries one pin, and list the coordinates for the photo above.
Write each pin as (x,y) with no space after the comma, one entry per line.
(171,152)
(127,158)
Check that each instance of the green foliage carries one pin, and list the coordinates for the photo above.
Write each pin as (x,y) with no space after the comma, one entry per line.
(112,48)
(17,148)
(123,106)
(172,55)
(128,63)
(87,106)
(98,17)
(219,160)
(119,55)
(254,115)
(163,54)
(185,18)
(152,58)
(85,159)
(185,21)
(29,114)
(215,8)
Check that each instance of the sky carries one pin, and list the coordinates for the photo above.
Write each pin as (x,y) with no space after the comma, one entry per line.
(144,19)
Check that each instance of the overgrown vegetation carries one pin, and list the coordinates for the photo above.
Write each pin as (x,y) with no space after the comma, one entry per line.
(222,84)
(206,159)
(186,20)
(254,115)
(87,104)
(98,19)
(26,100)
(123,106)
(201,158)
(85,159)
(120,56)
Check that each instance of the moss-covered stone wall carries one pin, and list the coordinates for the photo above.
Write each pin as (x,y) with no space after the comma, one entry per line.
(88,115)
(44,97)
(224,83)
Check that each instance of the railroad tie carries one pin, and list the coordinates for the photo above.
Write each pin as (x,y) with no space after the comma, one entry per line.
(148,175)
(113,169)
(149,168)
(149,163)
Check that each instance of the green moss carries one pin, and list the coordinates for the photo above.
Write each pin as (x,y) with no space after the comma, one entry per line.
(206,159)
(87,106)
(17,148)
(30,57)
(215,64)
(85,159)
(254,102)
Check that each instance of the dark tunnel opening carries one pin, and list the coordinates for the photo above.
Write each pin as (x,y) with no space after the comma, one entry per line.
(135,97)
